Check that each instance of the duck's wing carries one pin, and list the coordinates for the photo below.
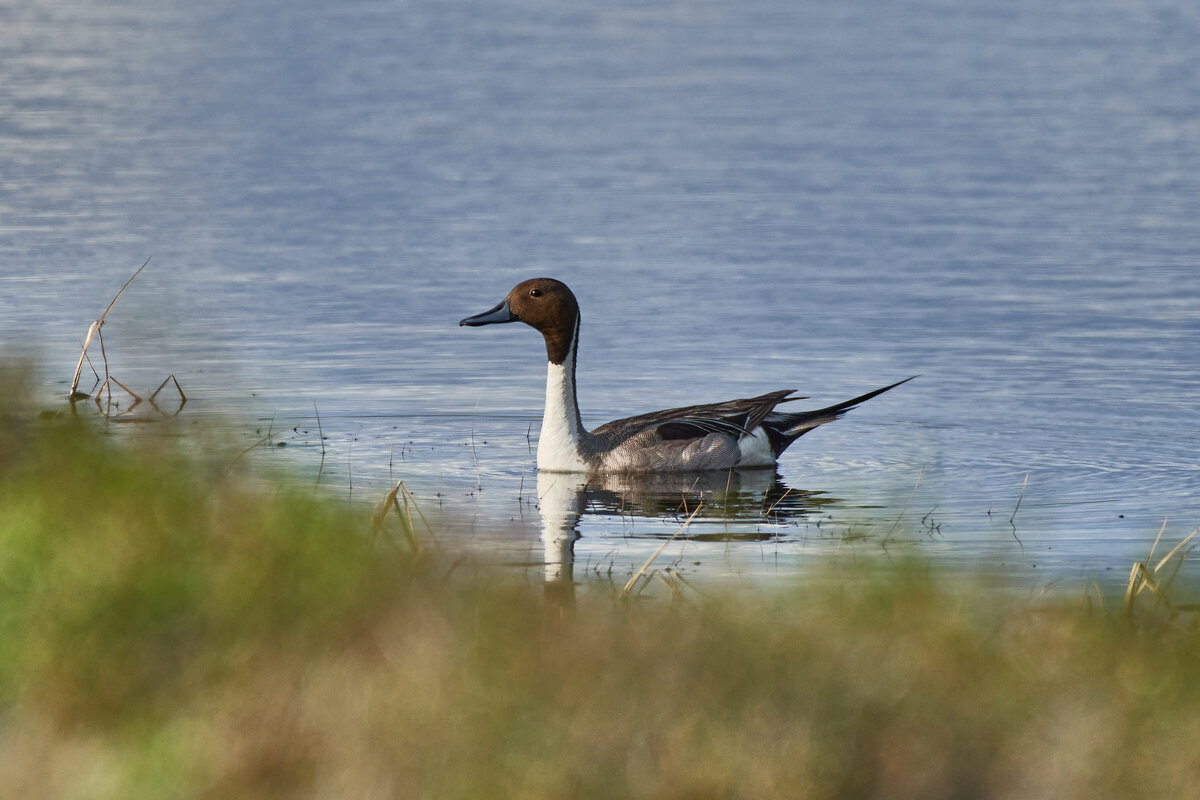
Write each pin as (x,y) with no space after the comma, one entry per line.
(736,418)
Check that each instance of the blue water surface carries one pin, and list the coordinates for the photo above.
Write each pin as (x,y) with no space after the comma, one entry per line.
(1003,198)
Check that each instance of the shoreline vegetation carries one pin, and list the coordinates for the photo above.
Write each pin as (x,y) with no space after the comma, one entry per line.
(174,626)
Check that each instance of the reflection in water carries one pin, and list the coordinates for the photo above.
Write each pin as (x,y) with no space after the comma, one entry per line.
(560,501)
(752,495)
(741,496)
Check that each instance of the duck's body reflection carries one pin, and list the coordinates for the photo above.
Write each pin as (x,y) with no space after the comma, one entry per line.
(739,496)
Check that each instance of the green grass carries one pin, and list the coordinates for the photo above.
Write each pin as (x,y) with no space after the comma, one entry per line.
(169,628)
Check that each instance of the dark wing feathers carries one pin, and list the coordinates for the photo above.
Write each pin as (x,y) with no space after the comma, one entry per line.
(696,427)
(735,417)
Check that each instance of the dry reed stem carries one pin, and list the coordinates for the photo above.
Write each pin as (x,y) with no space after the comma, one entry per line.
(112,379)
(392,500)
(637,575)
(1157,537)
(178,388)
(676,594)
(241,455)
(1011,523)
(680,579)
(1175,549)
(95,334)
(183,399)
(87,342)
(782,497)
(104,358)
(94,330)
(321,433)
(1141,576)
(900,516)
(475,458)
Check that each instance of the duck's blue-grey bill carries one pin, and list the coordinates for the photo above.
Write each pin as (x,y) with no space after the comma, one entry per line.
(501,313)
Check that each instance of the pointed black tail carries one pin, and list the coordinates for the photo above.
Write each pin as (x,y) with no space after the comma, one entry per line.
(783,429)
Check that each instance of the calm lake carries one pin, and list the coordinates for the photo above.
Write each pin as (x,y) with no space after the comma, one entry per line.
(1003,198)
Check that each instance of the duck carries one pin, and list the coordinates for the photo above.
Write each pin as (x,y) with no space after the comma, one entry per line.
(747,433)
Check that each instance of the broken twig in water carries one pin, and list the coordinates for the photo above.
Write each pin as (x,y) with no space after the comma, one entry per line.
(172,379)
(94,331)
(94,334)
(1020,497)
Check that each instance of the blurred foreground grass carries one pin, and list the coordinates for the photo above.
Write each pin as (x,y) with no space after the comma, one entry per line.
(170,628)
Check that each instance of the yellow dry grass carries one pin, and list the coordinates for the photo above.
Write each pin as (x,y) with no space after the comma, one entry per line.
(167,630)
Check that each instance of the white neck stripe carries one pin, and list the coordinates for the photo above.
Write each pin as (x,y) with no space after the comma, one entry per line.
(562,433)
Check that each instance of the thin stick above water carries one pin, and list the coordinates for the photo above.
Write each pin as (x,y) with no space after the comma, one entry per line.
(94,330)
(1020,497)
(637,575)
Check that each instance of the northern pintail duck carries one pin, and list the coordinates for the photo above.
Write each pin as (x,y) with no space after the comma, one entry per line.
(731,435)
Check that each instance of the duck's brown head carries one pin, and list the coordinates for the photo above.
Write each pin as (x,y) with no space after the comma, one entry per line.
(544,304)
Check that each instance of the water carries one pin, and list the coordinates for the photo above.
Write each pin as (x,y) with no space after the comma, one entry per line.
(1000,197)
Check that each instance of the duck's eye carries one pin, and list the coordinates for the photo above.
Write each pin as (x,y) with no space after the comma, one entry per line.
(535,292)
